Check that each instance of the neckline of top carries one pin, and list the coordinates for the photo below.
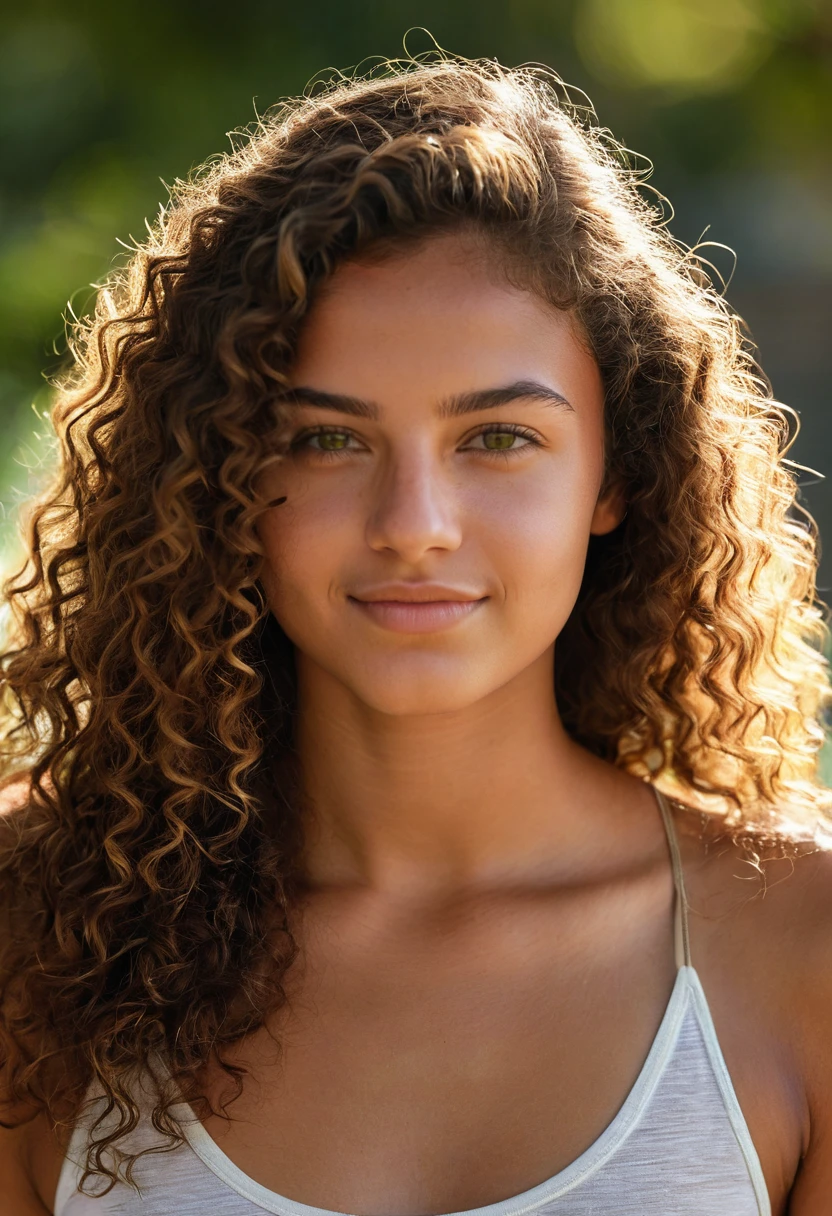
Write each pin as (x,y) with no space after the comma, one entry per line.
(571,1175)
(558,1184)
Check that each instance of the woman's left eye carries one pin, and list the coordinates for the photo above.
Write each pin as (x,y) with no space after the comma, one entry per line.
(504,439)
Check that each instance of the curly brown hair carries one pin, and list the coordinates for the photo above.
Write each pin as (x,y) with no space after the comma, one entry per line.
(149,874)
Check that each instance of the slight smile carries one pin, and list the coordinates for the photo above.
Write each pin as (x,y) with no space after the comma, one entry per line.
(417,616)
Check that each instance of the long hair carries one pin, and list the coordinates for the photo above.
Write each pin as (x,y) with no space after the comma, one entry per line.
(147,694)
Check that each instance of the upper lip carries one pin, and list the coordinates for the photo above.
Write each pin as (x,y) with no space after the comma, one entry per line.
(414,593)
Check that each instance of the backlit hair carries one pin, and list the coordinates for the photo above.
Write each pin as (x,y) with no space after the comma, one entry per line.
(147,693)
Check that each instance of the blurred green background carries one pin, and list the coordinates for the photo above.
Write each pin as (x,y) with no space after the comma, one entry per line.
(102,103)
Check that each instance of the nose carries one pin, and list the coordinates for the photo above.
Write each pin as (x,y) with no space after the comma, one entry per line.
(414,508)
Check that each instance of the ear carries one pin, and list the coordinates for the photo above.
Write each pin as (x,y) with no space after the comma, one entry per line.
(610,509)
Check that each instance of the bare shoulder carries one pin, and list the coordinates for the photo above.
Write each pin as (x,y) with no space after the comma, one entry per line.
(773,888)
(760,916)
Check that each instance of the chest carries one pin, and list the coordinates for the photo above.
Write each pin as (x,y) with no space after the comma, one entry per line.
(448,1071)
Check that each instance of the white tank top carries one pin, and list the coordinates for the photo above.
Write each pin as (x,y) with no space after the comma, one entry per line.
(678,1146)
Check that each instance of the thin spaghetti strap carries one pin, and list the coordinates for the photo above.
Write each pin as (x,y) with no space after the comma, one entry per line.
(680,904)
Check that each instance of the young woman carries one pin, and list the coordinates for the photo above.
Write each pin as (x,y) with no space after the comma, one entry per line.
(412,692)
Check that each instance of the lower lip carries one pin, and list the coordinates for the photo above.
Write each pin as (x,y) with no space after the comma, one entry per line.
(405,617)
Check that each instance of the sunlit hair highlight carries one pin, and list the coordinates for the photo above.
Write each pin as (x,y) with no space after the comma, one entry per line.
(148,695)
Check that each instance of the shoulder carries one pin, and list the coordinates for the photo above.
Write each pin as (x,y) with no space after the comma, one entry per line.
(765,897)
(760,914)
(773,888)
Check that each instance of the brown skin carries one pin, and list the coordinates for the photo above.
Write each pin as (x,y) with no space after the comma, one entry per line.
(487,934)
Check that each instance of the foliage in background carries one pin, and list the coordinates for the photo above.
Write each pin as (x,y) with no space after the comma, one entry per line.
(101,104)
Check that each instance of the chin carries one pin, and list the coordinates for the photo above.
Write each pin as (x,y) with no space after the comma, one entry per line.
(405,694)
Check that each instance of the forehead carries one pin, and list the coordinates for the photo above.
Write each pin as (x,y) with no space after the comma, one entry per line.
(443,311)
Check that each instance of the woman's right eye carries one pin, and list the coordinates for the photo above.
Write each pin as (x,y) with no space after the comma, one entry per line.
(328,440)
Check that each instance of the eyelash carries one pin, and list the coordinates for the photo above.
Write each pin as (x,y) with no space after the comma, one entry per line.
(512,428)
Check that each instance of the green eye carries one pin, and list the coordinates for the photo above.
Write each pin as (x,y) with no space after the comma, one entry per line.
(498,441)
(331,441)
(504,437)
(326,441)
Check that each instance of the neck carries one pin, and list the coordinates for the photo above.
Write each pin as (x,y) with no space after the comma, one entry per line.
(415,806)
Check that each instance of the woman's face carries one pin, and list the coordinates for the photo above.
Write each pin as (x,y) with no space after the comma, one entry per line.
(445,443)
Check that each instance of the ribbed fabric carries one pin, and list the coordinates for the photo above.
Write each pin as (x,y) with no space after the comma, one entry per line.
(678,1146)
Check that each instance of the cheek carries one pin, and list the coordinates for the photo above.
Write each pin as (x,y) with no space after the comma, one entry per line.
(536,528)
(525,530)
(303,541)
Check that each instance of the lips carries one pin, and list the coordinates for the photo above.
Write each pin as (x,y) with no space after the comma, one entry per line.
(423,608)
(415,593)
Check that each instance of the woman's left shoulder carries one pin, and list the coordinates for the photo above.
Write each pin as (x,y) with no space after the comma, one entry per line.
(764,893)
(789,937)
(760,919)
(760,916)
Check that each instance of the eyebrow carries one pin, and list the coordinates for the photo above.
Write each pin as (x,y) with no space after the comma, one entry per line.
(450,407)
